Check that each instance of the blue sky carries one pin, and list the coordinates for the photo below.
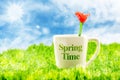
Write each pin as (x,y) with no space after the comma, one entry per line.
(23,23)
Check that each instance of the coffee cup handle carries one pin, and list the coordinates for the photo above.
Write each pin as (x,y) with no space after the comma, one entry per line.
(96,52)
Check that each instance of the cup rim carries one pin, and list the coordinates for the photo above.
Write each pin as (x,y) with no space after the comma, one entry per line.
(68,35)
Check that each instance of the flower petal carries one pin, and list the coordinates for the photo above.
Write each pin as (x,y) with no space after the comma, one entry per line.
(82,17)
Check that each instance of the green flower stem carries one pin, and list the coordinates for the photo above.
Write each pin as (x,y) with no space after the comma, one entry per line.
(80,29)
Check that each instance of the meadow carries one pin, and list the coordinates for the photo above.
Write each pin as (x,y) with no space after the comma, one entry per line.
(37,62)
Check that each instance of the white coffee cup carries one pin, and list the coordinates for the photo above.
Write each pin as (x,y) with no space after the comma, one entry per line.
(70,50)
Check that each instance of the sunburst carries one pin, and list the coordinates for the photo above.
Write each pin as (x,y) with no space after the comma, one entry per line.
(14,12)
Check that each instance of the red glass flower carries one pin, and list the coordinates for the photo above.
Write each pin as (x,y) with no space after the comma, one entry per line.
(82,17)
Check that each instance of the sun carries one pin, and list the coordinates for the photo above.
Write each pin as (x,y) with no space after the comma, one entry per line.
(14,12)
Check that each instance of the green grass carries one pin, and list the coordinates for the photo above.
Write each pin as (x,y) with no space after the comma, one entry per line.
(37,62)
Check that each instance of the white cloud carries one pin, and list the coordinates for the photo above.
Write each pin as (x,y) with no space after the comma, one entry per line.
(100,10)
(108,38)
(32,5)
(2,20)
(46,40)
(103,35)
(37,26)
(45,30)
(22,42)
(95,32)
(25,37)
